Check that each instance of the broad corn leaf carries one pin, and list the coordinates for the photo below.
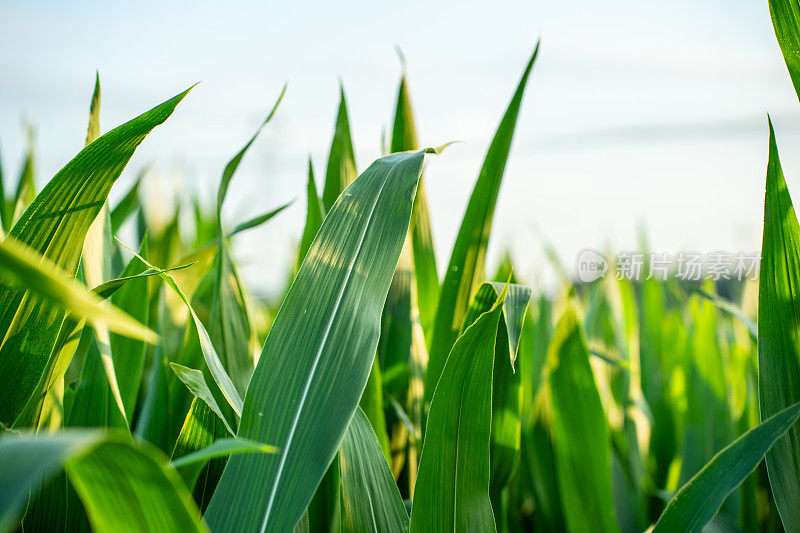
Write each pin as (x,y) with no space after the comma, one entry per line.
(452,489)
(319,351)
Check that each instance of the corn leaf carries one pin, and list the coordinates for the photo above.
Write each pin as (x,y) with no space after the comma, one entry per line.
(370,499)
(55,225)
(122,486)
(201,428)
(341,160)
(778,330)
(256,221)
(699,500)
(129,204)
(223,381)
(466,268)
(580,432)
(315,212)
(372,405)
(403,357)
(21,266)
(786,22)
(452,490)
(26,186)
(506,392)
(404,137)
(223,448)
(319,351)
(196,383)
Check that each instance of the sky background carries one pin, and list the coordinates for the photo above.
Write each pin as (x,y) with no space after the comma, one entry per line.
(637,114)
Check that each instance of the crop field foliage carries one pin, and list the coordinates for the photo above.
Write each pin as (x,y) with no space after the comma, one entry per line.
(145,389)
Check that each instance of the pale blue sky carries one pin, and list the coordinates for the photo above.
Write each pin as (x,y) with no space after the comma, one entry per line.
(637,111)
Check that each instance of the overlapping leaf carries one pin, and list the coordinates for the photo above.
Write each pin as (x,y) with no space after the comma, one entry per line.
(370,499)
(466,268)
(108,473)
(452,490)
(55,225)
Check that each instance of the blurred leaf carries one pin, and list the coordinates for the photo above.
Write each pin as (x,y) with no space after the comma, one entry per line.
(257,220)
(314,215)
(323,340)
(21,266)
(699,500)
(26,186)
(778,329)
(233,164)
(129,204)
(370,499)
(119,484)
(93,130)
(341,161)
(580,432)
(372,404)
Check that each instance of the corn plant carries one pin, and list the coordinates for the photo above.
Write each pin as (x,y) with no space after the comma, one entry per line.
(145,388)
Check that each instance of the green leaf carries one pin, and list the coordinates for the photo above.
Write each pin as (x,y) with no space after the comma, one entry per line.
(223,448)
(372,404)
(121,486)
(93,130)
(452,489)
(257,220)
(341,161)
(786,21)
(5,222)
(404,137)
(323,340)
(699,500)
(370,499)
(196,383)
(466,268)
(20,266)
(580,432)
(403,356)
(200,429)
(129,204)
(210,356)
(778,330)
(506,392)
(314,215)
(233,164)
(231,331)
(55,225)
(26,186)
